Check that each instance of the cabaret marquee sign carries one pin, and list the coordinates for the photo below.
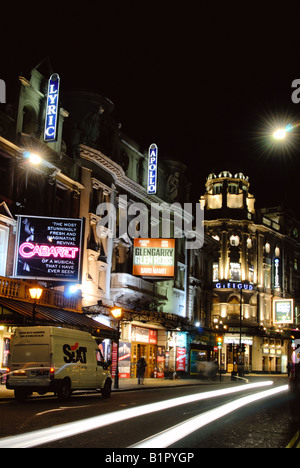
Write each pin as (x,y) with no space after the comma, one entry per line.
(48,248)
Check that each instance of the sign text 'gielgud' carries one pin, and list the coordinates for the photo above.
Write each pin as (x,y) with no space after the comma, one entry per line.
(48,248)
(51,119)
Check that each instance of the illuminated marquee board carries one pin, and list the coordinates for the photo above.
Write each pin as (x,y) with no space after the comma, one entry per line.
(152,169)
(283,310)
(154,257)
(48,248)
(51,119)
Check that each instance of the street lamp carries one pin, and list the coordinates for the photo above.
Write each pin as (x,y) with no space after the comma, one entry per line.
(117,314)
(35,294)
(33,158)
(281,133)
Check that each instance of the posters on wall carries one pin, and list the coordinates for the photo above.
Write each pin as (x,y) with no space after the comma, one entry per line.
(143,335)
(124,359)
(180,359)
(283,310)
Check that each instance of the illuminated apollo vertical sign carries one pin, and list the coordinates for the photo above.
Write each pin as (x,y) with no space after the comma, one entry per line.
(152,169)
(51,120)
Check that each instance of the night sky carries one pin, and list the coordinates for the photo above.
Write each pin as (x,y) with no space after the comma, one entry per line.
(203,80)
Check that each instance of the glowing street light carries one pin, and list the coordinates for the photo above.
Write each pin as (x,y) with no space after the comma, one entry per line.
(280,133)
(34,158)
(35,294)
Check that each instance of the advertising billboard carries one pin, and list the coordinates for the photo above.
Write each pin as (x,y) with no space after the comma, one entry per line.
(283,310)
(154,257)
(48,248)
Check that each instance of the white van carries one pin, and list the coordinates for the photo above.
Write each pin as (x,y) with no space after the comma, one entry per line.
(59,360)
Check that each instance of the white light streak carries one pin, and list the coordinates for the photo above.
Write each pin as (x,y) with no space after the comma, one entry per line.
(178,432)
(44,436)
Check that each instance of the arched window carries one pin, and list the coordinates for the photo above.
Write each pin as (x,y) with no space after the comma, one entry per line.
(29,120)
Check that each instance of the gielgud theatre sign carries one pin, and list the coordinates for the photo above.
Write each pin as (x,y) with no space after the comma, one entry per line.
(48,248)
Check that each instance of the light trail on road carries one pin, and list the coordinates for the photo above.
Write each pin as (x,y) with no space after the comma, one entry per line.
(45,436)
(174,434)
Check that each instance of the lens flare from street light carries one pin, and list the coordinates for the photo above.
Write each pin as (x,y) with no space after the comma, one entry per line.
(33,158)
(279,134)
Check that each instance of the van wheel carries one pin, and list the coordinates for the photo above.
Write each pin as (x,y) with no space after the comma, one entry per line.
(64,391)
(106,390)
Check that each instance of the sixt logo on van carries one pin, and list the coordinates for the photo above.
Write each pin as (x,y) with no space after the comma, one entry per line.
(74,353)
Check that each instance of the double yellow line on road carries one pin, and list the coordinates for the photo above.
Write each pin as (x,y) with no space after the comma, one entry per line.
(294,442)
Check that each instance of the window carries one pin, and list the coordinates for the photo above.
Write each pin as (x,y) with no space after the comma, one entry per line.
(234,240)
(251,274)
(4,232)
(233,188)
(235,271)
(267,274)
(217,189)
(215,271)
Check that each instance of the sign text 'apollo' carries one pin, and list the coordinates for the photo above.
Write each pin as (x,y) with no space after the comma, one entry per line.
(152,169)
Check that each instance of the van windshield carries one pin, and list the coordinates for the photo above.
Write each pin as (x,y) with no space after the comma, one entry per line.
(23,354)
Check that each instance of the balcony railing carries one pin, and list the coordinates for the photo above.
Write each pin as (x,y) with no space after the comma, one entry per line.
(16,289)
(125,280)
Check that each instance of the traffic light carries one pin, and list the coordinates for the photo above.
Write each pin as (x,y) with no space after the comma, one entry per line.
(219,342)
(229,347)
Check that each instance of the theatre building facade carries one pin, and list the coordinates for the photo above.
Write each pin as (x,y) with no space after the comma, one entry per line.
(89,166)
(256,295)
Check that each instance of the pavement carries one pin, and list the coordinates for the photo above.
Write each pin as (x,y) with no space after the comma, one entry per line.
(132,384)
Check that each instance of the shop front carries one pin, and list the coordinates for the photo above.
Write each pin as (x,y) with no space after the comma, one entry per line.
(237,351)
(137,342)
(274,356)
(202,353)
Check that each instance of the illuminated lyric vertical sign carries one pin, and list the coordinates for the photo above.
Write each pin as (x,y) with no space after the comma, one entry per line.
(48,248)
(152,169)
(51,120)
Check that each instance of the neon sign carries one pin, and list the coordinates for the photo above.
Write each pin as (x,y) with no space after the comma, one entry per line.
(226,285)
(48,248)
(152,169)
(51,119)
(28,250)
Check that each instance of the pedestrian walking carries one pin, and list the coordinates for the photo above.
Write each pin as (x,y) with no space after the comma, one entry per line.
(141,367)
